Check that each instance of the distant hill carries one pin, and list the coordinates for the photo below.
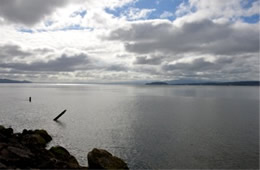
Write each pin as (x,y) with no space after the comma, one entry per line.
(13,81)
(157,83)
(187,81)
(235,83)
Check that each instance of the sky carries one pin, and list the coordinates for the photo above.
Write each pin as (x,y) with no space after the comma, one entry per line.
(129,40)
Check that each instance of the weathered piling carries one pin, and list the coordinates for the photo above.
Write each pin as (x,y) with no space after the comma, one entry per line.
(30,99)
(56,118)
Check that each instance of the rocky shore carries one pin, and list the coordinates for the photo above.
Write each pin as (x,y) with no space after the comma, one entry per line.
(27,150)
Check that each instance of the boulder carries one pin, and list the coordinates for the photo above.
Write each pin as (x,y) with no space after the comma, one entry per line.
(66,160)
(1,127)
(36,137)
(21,153)
(27,150)
(44,135)
(16,157)
(7,132)
(2,166)
(60,152)
(33,140)
(102,159)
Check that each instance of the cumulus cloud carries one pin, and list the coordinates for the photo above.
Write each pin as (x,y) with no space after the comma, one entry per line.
(63,63)
(166,14)
(203,36)
(84,40)
(144,60)
(28,12)
(216,68)
(117,68)
(16,59)
(199,64)
(53,13)
(12,50)
(195,10)
(136,13)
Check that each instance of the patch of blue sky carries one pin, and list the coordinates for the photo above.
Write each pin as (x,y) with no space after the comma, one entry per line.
(75,27)
(160,7)
(81,13)
(68,28)
(41,30)
(48,23)
(251,19)
(25,30)
(247,3)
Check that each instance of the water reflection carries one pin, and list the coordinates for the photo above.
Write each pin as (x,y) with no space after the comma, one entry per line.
(60,123)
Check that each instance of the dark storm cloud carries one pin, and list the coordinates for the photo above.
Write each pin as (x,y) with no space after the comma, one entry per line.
(28,12)
(148,60)
(64,63)
(201,36)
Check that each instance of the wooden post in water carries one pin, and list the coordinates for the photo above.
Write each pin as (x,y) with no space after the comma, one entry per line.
(56,118)
(30,99)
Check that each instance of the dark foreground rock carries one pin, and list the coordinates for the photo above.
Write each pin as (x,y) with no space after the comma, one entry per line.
(27,150)
(102,159)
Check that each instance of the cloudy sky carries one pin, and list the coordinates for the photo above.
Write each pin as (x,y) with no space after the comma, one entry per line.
(126,40)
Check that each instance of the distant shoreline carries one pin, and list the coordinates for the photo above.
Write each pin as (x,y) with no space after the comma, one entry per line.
(13,81)
(155,83)
(236,83)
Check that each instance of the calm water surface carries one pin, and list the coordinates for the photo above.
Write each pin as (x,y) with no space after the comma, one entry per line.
(148,126)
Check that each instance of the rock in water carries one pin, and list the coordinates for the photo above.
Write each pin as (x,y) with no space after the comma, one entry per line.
(102,159)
